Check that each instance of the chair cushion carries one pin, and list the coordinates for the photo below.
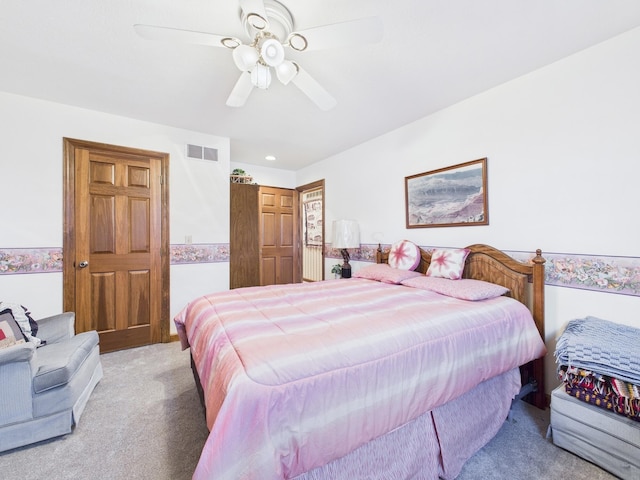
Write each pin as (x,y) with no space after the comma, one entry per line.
(58,362)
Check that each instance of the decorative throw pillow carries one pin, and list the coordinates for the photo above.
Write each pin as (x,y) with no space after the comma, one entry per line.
(22,317)
(464,289)
(404,255)
(10,333)
(381,272)
(447,263)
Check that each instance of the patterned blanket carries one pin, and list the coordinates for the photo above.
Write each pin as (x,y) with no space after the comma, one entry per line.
(602,391)
(601,346)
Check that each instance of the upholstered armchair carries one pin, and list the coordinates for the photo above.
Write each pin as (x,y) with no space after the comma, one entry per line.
(45,389)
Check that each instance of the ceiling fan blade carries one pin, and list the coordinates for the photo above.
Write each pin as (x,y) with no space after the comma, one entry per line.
(255,13)
(312,89)
(241,91)
(344,34)
(153,32)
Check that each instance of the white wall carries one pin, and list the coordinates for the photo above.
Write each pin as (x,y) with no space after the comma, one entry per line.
(268,176)
(562,145)
(32,193)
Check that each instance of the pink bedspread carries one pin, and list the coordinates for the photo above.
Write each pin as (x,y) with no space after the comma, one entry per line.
(296,376)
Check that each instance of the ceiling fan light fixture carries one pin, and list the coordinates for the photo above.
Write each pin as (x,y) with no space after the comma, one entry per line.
(286,71)
(245,57)
(261,76)
(272,52)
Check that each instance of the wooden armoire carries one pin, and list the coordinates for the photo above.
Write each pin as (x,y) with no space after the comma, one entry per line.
(264,244)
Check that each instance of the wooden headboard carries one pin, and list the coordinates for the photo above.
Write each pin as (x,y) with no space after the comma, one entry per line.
(525,282)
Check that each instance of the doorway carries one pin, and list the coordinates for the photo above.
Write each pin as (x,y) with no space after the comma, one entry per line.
(312,230)
(115,247)
(278,236)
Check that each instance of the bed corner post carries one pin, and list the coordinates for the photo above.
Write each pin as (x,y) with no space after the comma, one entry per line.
(539,397)
(538,291)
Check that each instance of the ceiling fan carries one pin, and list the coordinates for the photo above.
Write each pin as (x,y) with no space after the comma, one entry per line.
(269,25)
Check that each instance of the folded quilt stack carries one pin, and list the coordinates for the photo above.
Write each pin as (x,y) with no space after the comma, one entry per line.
(599,363)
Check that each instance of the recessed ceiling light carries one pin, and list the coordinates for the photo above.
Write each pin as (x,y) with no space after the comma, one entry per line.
(271,158)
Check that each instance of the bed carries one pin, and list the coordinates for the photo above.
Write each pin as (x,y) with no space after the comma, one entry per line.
(362,378)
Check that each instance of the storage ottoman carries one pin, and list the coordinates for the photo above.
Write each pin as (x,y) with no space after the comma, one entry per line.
(607,439)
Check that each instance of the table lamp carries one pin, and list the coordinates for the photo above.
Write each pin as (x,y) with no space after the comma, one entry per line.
(346,234)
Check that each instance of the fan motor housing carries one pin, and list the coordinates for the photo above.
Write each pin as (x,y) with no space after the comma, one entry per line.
(278,16)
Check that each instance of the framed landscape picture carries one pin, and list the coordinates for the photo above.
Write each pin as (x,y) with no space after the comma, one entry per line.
(448,197)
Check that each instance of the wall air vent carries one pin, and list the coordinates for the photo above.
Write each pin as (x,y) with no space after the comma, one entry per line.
(202,153)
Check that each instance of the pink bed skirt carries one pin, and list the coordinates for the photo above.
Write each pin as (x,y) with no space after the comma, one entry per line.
(436,444)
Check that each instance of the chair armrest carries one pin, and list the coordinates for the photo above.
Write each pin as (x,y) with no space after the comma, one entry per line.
(23,352)
(57,327)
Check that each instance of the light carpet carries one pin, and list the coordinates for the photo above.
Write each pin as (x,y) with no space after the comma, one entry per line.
(144,421)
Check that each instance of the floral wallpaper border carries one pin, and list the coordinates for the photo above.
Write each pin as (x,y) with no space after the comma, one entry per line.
(599,273)
(590,272)
(199,253)
(49,260)
(30,260)
(620,275)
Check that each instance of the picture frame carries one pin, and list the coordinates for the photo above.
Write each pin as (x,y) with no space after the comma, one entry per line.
(448,197)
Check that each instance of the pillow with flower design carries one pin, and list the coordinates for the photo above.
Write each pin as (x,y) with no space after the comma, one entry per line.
(404,255)
(447,263)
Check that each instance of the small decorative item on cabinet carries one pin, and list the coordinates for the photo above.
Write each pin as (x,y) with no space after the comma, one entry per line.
(240,176)
(337,270)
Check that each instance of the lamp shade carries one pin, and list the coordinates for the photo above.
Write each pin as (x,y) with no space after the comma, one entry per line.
(261,76)
(346,234)
(245,57)
(286,71)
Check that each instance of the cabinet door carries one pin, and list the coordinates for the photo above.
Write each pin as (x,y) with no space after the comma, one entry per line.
(244,269)
(278,236)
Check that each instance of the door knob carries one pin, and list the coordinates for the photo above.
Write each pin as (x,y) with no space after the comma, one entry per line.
(83,264)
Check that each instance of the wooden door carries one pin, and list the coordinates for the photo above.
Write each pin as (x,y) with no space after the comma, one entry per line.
(116,266)
(311,230)
(279,257)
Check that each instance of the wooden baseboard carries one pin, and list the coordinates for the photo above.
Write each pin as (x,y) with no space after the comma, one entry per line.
(174,337)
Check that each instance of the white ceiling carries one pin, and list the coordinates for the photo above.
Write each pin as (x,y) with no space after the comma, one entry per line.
(434,53)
